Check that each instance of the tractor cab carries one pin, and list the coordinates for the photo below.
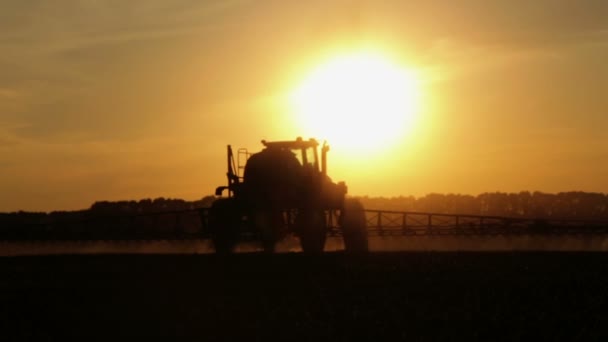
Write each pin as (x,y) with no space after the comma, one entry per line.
(285,162)
(305,151)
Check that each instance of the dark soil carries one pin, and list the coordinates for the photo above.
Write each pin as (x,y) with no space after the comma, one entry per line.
(403,296)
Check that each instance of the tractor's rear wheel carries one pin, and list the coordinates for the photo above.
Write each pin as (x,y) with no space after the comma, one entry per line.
(312,230)
(354,226)
(224,221)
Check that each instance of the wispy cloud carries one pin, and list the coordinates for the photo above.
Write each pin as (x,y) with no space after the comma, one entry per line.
(55,26)
(7,93)
(60,59)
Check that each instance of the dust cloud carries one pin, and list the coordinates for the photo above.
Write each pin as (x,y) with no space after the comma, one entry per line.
(291,245)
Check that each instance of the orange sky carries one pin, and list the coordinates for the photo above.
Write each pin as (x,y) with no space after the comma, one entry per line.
(110,100)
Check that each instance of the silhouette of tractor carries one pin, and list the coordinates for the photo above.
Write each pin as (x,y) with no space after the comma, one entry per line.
(284,189)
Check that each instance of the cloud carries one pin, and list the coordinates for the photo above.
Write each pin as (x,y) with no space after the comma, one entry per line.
(7,142)
(57,26)
(7,93)
(87,69)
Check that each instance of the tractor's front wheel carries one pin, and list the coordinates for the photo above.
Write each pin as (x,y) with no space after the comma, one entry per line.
(268,224)
(312,231)
(224,221)
(354,226)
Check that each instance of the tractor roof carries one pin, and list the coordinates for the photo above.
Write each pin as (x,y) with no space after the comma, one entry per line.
(291,144)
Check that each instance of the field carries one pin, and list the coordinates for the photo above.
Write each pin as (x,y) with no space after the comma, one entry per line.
(290,296)
(586,243)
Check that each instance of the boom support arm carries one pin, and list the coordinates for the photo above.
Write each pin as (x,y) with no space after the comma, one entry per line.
(233,178)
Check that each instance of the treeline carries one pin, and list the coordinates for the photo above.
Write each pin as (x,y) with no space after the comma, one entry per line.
(138,218)
(525,204)
(148,206)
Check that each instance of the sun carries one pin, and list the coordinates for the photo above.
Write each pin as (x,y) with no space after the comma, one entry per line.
(361,101)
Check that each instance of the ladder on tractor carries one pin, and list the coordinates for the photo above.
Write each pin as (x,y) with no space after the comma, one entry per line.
(236,169)
(242,155)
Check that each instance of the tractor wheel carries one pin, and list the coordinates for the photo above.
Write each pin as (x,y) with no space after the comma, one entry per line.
(354,226)
(224,219)
(312,231)
(268,224)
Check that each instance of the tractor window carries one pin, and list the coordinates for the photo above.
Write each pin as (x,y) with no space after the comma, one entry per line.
(305,156)
(308,157)
(298,155)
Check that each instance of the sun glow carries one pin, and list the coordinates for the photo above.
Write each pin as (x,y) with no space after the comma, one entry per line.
(361,101)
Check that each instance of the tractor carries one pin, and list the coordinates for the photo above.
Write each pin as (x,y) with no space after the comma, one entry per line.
(284,189)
